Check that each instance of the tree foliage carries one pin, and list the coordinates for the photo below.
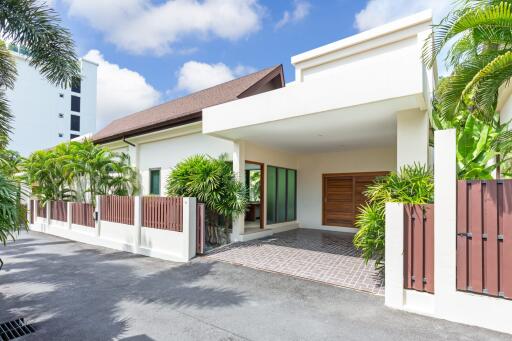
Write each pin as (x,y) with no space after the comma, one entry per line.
(36,27)
(481,56)
(79,171)
(211,181)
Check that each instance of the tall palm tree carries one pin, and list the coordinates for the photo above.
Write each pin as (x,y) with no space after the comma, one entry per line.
(36,27)
(481,56)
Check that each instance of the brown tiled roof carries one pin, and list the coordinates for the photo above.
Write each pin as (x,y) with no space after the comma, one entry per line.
(187,109)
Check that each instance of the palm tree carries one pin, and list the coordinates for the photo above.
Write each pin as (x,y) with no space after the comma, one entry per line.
(481,56)
(32,25)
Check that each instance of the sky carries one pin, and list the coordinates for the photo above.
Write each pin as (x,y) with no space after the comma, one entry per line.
(151,51)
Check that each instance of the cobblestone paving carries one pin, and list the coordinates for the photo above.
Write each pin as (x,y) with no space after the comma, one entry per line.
(321,256)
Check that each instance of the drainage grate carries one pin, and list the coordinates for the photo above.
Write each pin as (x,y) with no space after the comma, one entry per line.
(13,329)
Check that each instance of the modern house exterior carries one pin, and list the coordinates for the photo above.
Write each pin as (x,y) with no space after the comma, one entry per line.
(358,108)
(48,112)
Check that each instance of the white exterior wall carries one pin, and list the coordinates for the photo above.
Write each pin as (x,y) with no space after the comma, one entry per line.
(312,166)
(164,244)
(36,105)
(165,154)
(412,130)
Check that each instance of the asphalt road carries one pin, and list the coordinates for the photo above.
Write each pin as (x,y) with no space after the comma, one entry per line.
(74,291)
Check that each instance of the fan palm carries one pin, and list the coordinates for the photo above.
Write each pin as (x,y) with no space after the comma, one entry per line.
(481,56)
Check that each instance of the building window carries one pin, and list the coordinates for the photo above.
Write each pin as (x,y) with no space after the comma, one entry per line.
(61,134)
(76,85)
(154,181)
(75,103)
(281,195)
(61,95)
(61,115)
(73,136)
(75,122)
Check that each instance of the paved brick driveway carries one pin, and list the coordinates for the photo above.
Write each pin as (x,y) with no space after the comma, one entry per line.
(321,256)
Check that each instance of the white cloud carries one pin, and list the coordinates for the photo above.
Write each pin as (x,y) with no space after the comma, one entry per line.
(194,76)
(378,12)
(140,26)
(120,91)
(300,11)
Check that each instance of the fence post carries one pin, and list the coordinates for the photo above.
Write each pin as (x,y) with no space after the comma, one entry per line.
(137,222)
(48,215)
(394,269)
(97,210)
(189,226)
(70,214)
(445,218)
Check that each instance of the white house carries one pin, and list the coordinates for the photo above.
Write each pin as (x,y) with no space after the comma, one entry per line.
(46,115)
(358,108)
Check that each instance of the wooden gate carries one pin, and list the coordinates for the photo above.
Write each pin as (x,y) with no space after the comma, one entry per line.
(419,247)
(484,237)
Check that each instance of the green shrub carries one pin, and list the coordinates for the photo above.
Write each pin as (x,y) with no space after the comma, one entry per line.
(412,185)
(212,182)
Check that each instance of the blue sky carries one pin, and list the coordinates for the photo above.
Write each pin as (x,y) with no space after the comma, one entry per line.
(151,51)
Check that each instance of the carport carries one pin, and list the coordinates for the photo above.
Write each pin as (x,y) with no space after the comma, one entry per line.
(321,256)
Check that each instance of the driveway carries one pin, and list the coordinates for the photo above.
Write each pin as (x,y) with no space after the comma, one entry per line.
(73,291)
(316,255)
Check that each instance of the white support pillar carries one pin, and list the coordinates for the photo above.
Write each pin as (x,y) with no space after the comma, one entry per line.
(412,129)
(239,170)
(48,215)
(445,217)
(70,215)
(97,210)
(394,270)
(137,223)
(189,226)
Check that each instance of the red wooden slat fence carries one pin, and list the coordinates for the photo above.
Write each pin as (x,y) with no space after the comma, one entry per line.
(419,247)
(32,206)
(41,210)
(59,210)
(163,213)
(200,228)
(117,209)
(82,214)
(484,237)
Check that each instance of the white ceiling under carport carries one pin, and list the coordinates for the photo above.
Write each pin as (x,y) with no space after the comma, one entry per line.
(364,126)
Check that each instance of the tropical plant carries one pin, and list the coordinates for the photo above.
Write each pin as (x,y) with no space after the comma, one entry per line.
(411,185)
(212,182)
(480,32)
(79,171)
(36,27)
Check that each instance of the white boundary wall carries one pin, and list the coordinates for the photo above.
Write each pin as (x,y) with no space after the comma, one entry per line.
(447,303)
(164,244)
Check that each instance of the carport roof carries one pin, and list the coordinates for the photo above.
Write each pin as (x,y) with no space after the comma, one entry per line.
(189,108)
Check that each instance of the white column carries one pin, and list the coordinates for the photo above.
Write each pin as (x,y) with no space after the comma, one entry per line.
(445,217)
(412,129)
(97,223)
(137,222)
(70,215)
(394,269)
(48,213)
(189,226)
(239,170)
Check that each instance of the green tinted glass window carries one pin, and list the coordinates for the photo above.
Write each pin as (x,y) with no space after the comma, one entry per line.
(291,192)
(154,182)
(281,195)
(271,194)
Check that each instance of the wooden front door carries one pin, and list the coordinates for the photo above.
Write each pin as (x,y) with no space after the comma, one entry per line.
(342,196)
